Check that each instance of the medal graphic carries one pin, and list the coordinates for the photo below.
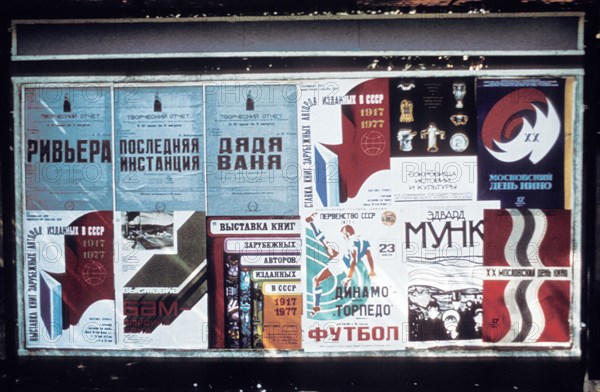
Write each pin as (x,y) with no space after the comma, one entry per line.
(405,137)
(459,142)
(406,111)
(459,90)
(431,133)
(252,206)
(388,218)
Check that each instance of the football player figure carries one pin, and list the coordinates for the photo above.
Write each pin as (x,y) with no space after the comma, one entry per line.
(346,264)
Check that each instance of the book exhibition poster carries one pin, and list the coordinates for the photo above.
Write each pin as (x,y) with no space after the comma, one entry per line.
(318,216)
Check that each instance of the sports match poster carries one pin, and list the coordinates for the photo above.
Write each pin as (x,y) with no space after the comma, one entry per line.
(355,281)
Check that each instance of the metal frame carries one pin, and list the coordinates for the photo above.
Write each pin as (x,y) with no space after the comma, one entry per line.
(291,53)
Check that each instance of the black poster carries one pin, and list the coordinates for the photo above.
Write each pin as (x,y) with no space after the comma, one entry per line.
(432,117)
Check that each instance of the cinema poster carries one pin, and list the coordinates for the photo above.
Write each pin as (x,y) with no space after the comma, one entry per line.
(525,129)
(159,142)
(67,153)
(69,280)
(251,149)
(527,292)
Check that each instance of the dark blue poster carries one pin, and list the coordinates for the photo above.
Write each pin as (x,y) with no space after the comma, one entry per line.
(521,146)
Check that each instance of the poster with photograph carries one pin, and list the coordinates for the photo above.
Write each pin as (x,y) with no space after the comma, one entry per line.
(160,218)
(251,149)
(443,246)
(433,117)
(161,279)
(389,212)
(67,153)
(159,143)
(433,139)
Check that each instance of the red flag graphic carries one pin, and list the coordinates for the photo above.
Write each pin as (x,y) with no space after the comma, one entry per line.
(527,292)
(366,133)
(89,275)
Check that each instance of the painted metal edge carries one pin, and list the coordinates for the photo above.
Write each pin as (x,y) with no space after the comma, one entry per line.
(192,80)
(312,17)
(19,103)
(128,56)
(299,18)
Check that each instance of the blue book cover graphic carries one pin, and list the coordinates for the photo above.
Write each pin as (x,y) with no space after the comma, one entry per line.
(159,148)
(327,176)
(67,149)
(251,150)
(245,306)
(51,305)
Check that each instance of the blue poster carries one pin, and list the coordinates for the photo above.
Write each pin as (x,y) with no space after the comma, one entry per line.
(67,148)
(159,148)
(521,146)
(251,150)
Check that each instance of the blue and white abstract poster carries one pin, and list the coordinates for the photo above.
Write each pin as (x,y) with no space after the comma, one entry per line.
(67,148)
(159,148)
(251,149)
